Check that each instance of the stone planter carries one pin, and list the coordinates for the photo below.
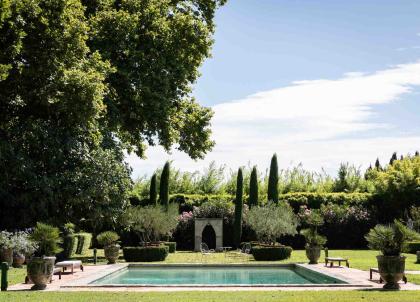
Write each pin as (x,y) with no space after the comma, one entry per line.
(40,271)
(112,252)
(391,269)
(18,260)
(6,255)
(313,253)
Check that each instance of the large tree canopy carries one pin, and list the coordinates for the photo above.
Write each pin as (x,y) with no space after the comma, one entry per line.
(83,80)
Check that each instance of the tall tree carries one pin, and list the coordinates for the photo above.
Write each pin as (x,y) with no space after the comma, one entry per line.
(153,190)
(237,227)
(393,158)
(80,78)
(273,180)
(164,185)
(378,165)
(253,188)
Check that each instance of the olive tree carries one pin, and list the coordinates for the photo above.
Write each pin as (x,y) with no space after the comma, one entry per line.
(272,221)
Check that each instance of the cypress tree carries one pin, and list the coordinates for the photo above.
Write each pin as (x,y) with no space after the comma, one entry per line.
(164,186)
(378,165)
(273,179)
(393,158)
(253,188)
(417,153)
(237,227)
(153,191)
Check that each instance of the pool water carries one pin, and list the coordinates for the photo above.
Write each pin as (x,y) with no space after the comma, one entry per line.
(216,276)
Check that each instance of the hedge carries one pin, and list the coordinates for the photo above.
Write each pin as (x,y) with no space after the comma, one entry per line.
(171,246)
(412,247)
(265,253)
(70,243)
(188,201)
(145,254)
(84,241)
(314,200)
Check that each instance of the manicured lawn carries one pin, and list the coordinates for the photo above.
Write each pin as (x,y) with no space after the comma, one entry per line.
(361,259)
(194,296)
(413,278)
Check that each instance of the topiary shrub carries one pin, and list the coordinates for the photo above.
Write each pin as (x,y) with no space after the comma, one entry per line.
(70,243)
(271,253)
(171,246)
(412,247)
(145,254)
(84,241)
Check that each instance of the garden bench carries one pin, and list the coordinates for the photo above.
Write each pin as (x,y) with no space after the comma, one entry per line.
(332,260)
(70,264)
(376,270)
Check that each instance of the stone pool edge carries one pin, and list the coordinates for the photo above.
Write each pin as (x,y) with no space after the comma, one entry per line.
(85,282)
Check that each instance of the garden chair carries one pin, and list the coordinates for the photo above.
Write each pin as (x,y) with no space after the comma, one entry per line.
(205,251)
(244,251)
(331,260)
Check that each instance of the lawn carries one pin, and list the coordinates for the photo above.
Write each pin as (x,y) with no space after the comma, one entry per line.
(361,259)
(195,296)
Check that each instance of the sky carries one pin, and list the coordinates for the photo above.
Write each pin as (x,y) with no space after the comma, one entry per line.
(319,82)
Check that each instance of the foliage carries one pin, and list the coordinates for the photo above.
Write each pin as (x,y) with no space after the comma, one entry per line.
(70,243)
(253,188)
(312,219)
(215,209)
(84,242)
(47,239)
(237,227)
(171,246)
(145,254)
(107,238)
(164,186)
(415,217)
(69,228)
(271,253)
(272,221)
(151,223)
(273,180)
(22,243)
(6,241)
(153,190)
(390,239)
(412,247)
(350,179)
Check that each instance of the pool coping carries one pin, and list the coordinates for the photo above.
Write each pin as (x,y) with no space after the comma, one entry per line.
(86,282)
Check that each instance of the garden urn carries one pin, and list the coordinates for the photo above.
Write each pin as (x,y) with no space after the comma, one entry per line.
(391,269)
(313,253)
(40,270)
(112,252)
(18,260)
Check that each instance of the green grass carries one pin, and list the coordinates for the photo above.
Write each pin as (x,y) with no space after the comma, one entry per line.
(203,296)
(413,278)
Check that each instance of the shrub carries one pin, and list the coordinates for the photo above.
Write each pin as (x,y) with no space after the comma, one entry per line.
(412,247)
(271,253)
(84,241)
(107,238)
(47,238)
(171,246)
(145,254)
(70,244)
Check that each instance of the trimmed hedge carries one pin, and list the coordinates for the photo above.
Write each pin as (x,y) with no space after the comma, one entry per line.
(413,247)
(84,241)
(265,253)
(188,201)
(171,246)
(145,254)
(314,200)
(70,243)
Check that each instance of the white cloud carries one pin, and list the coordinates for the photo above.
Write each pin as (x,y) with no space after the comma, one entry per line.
(305,122)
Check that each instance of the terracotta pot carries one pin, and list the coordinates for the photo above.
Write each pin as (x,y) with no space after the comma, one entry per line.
(6,255)
(112,252)
(18,260)
(313,253)
(40,270)
(391,269)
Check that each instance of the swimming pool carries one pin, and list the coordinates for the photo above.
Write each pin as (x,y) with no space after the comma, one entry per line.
(215,276)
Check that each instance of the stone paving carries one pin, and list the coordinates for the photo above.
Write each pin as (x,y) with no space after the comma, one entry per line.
(92,272)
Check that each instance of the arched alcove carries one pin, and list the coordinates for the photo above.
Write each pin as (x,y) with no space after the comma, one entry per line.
(206,226)
(209,236)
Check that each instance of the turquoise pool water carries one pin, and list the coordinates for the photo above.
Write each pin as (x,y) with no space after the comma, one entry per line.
(216,276)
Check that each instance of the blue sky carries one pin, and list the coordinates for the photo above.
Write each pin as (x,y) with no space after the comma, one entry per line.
(319,82)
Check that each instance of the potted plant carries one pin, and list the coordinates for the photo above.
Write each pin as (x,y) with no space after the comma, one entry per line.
(109,240)
(23,246)
(40,267)
(390,240)
(6,247)
(314,241)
